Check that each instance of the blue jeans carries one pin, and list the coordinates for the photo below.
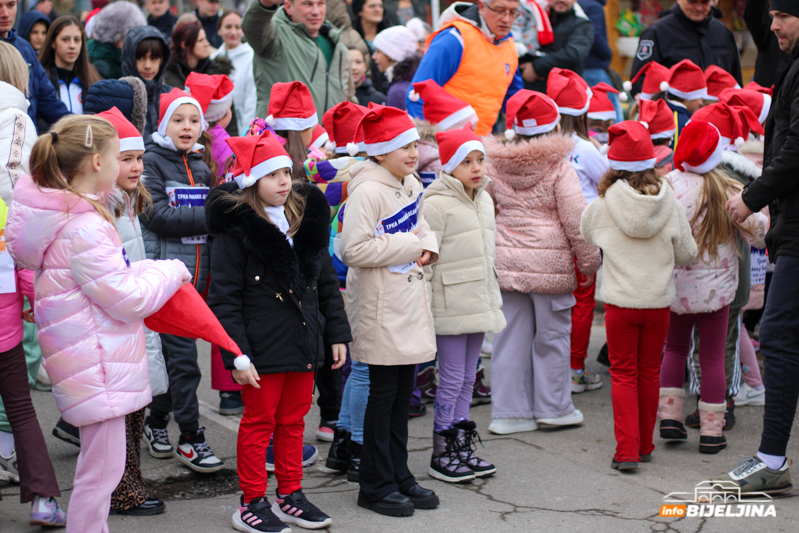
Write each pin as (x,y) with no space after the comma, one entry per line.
(353,401)
(592,76)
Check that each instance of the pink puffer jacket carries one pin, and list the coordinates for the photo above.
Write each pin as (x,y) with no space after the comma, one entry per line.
(540,203)
(11,309)
(89,302)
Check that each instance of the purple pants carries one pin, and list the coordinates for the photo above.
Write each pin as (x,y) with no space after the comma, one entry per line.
(712,329)
(457,366)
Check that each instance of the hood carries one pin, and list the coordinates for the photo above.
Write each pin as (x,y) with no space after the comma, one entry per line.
(741,164)
(447,185)
(426,130)
(28,19)
(525,163)
(640,216)
(11,97)
(135,36)
(40,213)
(752,146)
(371,171)
(405,69)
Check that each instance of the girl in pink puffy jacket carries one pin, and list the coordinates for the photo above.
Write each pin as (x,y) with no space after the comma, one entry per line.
(90,301)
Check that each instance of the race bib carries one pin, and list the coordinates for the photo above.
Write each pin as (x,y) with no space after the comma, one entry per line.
(188,197)
(403,221)
(427,178)
(759,263)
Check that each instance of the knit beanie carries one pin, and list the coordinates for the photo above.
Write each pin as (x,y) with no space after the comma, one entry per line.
(397,42)
(790,7)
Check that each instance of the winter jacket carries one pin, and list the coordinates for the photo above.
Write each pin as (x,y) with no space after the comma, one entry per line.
(642,237)
(69,92)
(128,94)
(28,19)
(244,95)
(777,185)
(462,285)
(90,302)
(676,37)
(600,54)
(388,311)
(401,75)
(165,227)
(43,99)
(12,303)
(753,150)
(769,54)
(590,166)
(285,51)
(538,226)
(280,303)
(156,87)
(165,24)
(17,137)
(574,38)
(429,164)
(709,283)
(106,58)
(366,94)
(210,25)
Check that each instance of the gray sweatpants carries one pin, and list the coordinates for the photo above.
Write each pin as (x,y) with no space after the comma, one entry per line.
(180,354)
(530,374)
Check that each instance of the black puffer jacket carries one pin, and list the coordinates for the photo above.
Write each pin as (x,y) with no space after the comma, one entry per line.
(280,304)
(758,22)
(778,186)
(574,38)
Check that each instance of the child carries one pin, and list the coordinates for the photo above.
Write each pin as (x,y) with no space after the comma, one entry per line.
(178,181)
(718,81)
(652,85)
(685,90)
(386,241)
(642,231)
(274,289)
(538,235)
(706,287)
(215,94)
(573,98)
(601,113)
(90,323)
(293,116)
(145,54)
(465,297)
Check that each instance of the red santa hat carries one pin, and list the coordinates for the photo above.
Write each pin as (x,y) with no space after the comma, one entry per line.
(658,117)
(129,136)
(717,80)
(169,104)
(700,148)
(455,145)
(440,107)
(291,107)
(754,86)
(257,157)
(630,147)
(214,92)
(530,113)
(601,108)
(319,137)
(654,75)
(733,123)
(385,129)
(341,121)
(569,91)
(758,102)
(686,81)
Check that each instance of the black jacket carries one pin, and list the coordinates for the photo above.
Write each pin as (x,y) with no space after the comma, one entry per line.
(574,38)
(778,186)
(280,304)
(366,93)
(676,37)
(165,24)
(758,22)
(210,25)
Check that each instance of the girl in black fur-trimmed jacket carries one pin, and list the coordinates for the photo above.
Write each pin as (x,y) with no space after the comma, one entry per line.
(275,291)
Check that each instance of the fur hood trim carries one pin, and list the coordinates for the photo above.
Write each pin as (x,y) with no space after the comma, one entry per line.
(139,111)
(741,164)
(299,265)
(521,165)
(754,146)
(426,130)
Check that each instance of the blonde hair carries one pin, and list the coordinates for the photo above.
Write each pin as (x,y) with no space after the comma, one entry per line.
(59,156)
(717,227)
(646,182)
(140,200)
(13,69)
(294,206)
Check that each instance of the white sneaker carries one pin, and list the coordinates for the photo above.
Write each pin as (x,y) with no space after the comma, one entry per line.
(750,396)
(506,426)
(570,419)
(9,471)
(487,348)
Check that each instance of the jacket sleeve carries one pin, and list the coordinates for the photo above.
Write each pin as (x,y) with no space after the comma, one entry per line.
(331,305)
(426,235)
(225,296)
(126,294)
(25,278)
(685,248)
(10,154)
(755,18)
(589,222)
(435,222)
(596,13)
(572,56)
(753,230)
(50,107)
(570,204)
(162,218)
(258,28)
(440,63)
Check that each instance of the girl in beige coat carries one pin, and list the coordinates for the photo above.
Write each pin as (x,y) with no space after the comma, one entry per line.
(385,241)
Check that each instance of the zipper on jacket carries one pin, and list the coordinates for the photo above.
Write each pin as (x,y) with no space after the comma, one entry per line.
(197,263)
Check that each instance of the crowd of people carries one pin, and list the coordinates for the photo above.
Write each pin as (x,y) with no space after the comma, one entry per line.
(340,197)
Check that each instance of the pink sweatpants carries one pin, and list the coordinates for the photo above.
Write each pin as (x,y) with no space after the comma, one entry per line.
(101,464)
(749,359)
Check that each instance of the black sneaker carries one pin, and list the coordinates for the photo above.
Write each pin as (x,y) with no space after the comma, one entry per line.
(257,517)
(67,432)
(729,415)
(230,403)
(296,509)
(195,453)
(417,411)
(692,420)
(157,440)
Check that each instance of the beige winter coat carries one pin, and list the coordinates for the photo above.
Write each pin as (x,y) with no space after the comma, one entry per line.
(463,284)
(642,238)
(388,312)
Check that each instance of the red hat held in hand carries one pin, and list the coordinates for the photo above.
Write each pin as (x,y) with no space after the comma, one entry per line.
(630,147)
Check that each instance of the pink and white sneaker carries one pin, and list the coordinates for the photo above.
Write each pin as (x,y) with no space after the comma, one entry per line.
(296,509)
(46,512)
(257,517)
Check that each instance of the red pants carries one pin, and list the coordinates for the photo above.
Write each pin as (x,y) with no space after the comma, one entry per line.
(278,407)
(582,318)
(221,379)
(635,347)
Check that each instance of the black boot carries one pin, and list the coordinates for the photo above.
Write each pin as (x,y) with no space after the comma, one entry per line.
(339,457)
(355,461)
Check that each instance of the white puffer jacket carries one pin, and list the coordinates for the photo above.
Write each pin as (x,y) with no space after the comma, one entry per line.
(17,137)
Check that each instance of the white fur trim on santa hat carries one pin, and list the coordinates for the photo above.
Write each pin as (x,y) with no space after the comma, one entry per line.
(531,127)
(712,162)
(262,169)
(396,143)
(633,166)
(602,115)
(360,147)
(765,109)
(293,123)
(458,119)
(461,153)
(176,103)
(577,112)
(131,143)
(668,134)
(321,140)
(692,95)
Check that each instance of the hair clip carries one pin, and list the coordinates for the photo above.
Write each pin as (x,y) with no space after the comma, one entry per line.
(89,141)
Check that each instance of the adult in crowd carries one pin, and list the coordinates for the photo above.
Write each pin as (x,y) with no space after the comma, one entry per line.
(208,14)
(41,95)
(473,58)
(598,61)
(368,19)
(397,57)
(769,53)
(404,10)
(778,187)
(364,90)
(33,26)
(111,26)
(240,55)
(574,39)
(688,31)
(337,12)
(159,16)
(44,7)
(293,42)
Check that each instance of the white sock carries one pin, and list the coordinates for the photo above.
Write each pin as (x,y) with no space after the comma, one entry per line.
(6,444)
(774,462)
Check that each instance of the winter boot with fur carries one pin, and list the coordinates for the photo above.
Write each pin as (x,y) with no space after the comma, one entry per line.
(446,463)
(711,416)
(670,414)
(467,432)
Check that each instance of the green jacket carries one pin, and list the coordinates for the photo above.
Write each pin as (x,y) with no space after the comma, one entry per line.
(106,58)
(285,51)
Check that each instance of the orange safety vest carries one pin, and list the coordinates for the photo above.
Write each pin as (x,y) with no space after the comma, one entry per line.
(484,75)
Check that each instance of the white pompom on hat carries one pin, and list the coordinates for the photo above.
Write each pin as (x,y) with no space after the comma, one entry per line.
(530,113)
(654,75)
(630,147)
(256,157)
(291,107)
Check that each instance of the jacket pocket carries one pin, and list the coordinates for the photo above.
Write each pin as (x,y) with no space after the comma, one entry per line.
(464,291)
(561,316)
